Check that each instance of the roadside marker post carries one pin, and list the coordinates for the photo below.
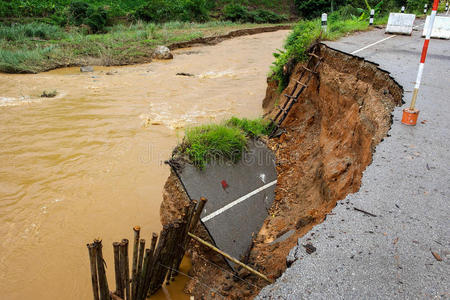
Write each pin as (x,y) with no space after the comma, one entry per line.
(403,10)
(372,14)
(411,114)
(324,22)
(425,9)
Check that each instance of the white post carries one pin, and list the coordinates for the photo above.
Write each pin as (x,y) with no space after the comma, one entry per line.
(425,9)
(403,10)
(372,14)
(324,22)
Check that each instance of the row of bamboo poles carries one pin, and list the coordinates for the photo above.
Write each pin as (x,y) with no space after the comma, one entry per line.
(150,267)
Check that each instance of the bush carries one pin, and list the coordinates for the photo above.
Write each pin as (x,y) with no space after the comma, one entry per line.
(239,13)
(236,13)
(78,11)
(96,19)
(159,11)
(417,5)
(195,10)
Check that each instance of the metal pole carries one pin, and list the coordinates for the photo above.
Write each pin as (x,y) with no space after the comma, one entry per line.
(412,109)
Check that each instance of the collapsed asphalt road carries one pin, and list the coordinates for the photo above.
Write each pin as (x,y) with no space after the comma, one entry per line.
(392,238)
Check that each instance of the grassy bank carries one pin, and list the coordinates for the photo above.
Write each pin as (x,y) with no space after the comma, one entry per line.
(306,32)
(36,47)
(225,141)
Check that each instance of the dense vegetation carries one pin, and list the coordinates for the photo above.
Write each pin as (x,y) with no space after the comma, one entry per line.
(37,35)
(100,13)
(223,142)
(344,16)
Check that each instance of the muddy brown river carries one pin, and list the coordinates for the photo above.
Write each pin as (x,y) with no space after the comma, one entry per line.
(89,163)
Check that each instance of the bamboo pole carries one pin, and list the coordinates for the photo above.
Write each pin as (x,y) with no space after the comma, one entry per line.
(197,214)
(114,296)
(93,260)
(125,268)
(137,231)
(179,226)
(139,267)
(103,282)
(150,266)
(143,276)
(188,216)
(153,283)
(205,243)
(119,287)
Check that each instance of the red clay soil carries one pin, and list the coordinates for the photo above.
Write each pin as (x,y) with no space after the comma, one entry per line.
(329,138)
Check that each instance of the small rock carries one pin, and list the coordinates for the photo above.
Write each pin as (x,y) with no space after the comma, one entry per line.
(185,74)
(162,52)
(109,73)
(87,69)
(309,248)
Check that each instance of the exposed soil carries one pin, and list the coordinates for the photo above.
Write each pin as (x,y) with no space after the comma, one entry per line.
(329,138)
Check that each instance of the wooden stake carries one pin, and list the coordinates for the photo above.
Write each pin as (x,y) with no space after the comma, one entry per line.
(93,260)
(125,268)
(119,281)
(154,282)
(197,214)
(137,231)
(103,282)
(143,276)
(139,267)
(205,243)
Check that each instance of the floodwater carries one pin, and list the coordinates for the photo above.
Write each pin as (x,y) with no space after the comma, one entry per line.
(89,163)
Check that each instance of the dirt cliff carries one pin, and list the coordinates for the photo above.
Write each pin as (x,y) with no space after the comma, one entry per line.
(328,140)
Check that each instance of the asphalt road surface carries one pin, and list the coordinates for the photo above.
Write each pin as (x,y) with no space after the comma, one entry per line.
(407,187)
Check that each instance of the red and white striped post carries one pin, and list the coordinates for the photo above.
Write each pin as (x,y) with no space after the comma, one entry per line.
(411,114)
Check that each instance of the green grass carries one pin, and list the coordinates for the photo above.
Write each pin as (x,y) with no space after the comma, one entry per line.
(252,128)
(221,142)
(37,47)
(307,32)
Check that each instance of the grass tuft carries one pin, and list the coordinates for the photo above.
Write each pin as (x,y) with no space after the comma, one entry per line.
(221,142)
(252,128)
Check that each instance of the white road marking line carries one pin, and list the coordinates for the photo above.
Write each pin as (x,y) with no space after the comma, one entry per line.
(368,46)
(380,41)
(237,201)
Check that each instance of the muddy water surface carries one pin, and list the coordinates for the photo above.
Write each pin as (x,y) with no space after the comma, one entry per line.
(89,163)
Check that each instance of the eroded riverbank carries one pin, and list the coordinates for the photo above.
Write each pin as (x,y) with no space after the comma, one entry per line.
(88,163)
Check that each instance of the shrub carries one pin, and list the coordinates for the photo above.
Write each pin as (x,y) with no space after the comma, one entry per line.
(78,12)
(159,11)
(195,10)
(236,13)
(96,19)
(239,13)
(417,5)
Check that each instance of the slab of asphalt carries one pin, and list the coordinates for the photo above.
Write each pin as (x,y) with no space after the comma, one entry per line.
(237,206)
(407,188)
